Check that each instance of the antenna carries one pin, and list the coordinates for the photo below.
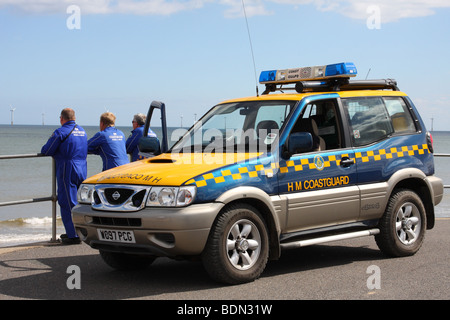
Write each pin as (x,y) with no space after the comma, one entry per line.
(251,48)
(368,73)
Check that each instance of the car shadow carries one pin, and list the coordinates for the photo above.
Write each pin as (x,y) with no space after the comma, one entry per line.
(317,257)
(49,278)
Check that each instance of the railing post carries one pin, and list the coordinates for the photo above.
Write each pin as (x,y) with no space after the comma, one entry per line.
(54,200)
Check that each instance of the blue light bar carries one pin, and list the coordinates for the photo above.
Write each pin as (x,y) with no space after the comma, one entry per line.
(338,70)
(341,69)
(267,76)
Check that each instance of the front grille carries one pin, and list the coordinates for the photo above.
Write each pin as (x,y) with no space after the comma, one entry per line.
(117,195)
(108,197)
(138,198)
(122,222)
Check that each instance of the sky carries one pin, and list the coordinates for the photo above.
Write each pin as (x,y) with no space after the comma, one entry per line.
(120,55)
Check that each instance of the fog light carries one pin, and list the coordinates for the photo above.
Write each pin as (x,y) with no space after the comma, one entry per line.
(82,233)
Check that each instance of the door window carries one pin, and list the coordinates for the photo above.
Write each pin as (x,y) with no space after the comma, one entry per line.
(369,119)
(320,119)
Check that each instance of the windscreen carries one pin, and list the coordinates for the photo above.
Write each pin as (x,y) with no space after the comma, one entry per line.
(250,126)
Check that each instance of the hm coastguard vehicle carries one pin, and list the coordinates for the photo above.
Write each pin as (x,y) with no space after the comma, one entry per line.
(330,159)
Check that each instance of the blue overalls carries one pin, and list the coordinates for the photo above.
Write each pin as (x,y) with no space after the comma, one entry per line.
(109,144)
(68,146)
(133,142)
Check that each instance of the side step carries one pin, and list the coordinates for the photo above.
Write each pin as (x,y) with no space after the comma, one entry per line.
(308,242)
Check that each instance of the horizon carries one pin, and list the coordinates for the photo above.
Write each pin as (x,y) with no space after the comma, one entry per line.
(119,56)
(123,126)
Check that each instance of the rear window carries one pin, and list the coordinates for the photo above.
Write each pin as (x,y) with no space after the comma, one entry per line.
(374,118)
(400,115)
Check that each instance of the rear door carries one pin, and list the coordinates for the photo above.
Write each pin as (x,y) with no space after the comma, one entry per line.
(386,140)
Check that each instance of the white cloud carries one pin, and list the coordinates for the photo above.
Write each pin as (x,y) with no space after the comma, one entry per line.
(156,7)
(390,10)
(57,6)
(252,8)
(140,7)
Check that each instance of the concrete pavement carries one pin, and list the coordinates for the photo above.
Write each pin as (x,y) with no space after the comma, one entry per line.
(334,271)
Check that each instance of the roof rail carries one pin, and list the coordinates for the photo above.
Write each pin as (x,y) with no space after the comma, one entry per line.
(334,84)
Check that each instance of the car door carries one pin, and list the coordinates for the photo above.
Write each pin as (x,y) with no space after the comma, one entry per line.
(385,141)
(320,184)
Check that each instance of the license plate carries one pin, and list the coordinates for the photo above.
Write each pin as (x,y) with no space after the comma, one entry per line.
(125,236)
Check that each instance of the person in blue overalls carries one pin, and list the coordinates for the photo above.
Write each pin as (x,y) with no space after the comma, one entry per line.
(68,146)
(109,143)
(137,132)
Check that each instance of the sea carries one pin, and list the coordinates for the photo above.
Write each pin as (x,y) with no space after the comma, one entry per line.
(30,178)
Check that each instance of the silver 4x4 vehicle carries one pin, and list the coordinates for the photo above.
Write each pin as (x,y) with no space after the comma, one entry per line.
(332,159)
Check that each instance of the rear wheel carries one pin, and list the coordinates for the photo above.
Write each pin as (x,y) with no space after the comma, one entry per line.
(402,228)
(123,261)
(237,248)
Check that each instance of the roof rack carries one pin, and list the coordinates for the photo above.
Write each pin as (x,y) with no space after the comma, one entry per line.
(333,84)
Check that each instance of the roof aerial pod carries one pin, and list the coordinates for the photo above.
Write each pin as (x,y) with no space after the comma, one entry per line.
(371,85)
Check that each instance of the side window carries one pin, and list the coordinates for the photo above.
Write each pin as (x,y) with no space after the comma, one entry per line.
(369,119)
(400,116)
(320,119)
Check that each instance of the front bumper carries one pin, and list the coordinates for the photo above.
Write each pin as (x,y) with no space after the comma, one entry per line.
(167,232)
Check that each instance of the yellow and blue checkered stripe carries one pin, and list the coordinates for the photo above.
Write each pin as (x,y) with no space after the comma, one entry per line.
(233,174)
(376,155)
(251,171)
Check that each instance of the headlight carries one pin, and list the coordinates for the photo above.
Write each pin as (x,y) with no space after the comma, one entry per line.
(84,194)
(171,196)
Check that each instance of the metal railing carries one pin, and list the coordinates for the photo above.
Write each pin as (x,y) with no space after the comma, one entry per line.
(443,155)
(53,196)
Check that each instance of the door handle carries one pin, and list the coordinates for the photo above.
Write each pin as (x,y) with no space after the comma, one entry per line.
(347,162)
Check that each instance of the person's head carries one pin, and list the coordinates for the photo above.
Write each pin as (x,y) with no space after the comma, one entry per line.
(107,119)
(138,120)
(67,114)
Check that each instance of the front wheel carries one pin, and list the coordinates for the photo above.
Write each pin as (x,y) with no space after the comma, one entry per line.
(237,249)
(402,228)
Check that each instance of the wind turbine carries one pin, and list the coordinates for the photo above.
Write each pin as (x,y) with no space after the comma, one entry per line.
(12,115)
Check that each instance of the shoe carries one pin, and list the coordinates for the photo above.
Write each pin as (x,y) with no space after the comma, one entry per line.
(69,241)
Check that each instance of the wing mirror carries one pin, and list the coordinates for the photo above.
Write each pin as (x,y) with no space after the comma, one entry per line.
(298,142)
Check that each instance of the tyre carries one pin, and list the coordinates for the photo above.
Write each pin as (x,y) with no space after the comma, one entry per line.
(237,249)
(123,261)
(402,227)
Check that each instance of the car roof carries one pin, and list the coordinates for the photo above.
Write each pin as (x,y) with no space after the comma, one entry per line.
(300,96)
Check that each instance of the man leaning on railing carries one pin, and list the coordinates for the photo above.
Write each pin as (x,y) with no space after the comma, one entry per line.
(68,146)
